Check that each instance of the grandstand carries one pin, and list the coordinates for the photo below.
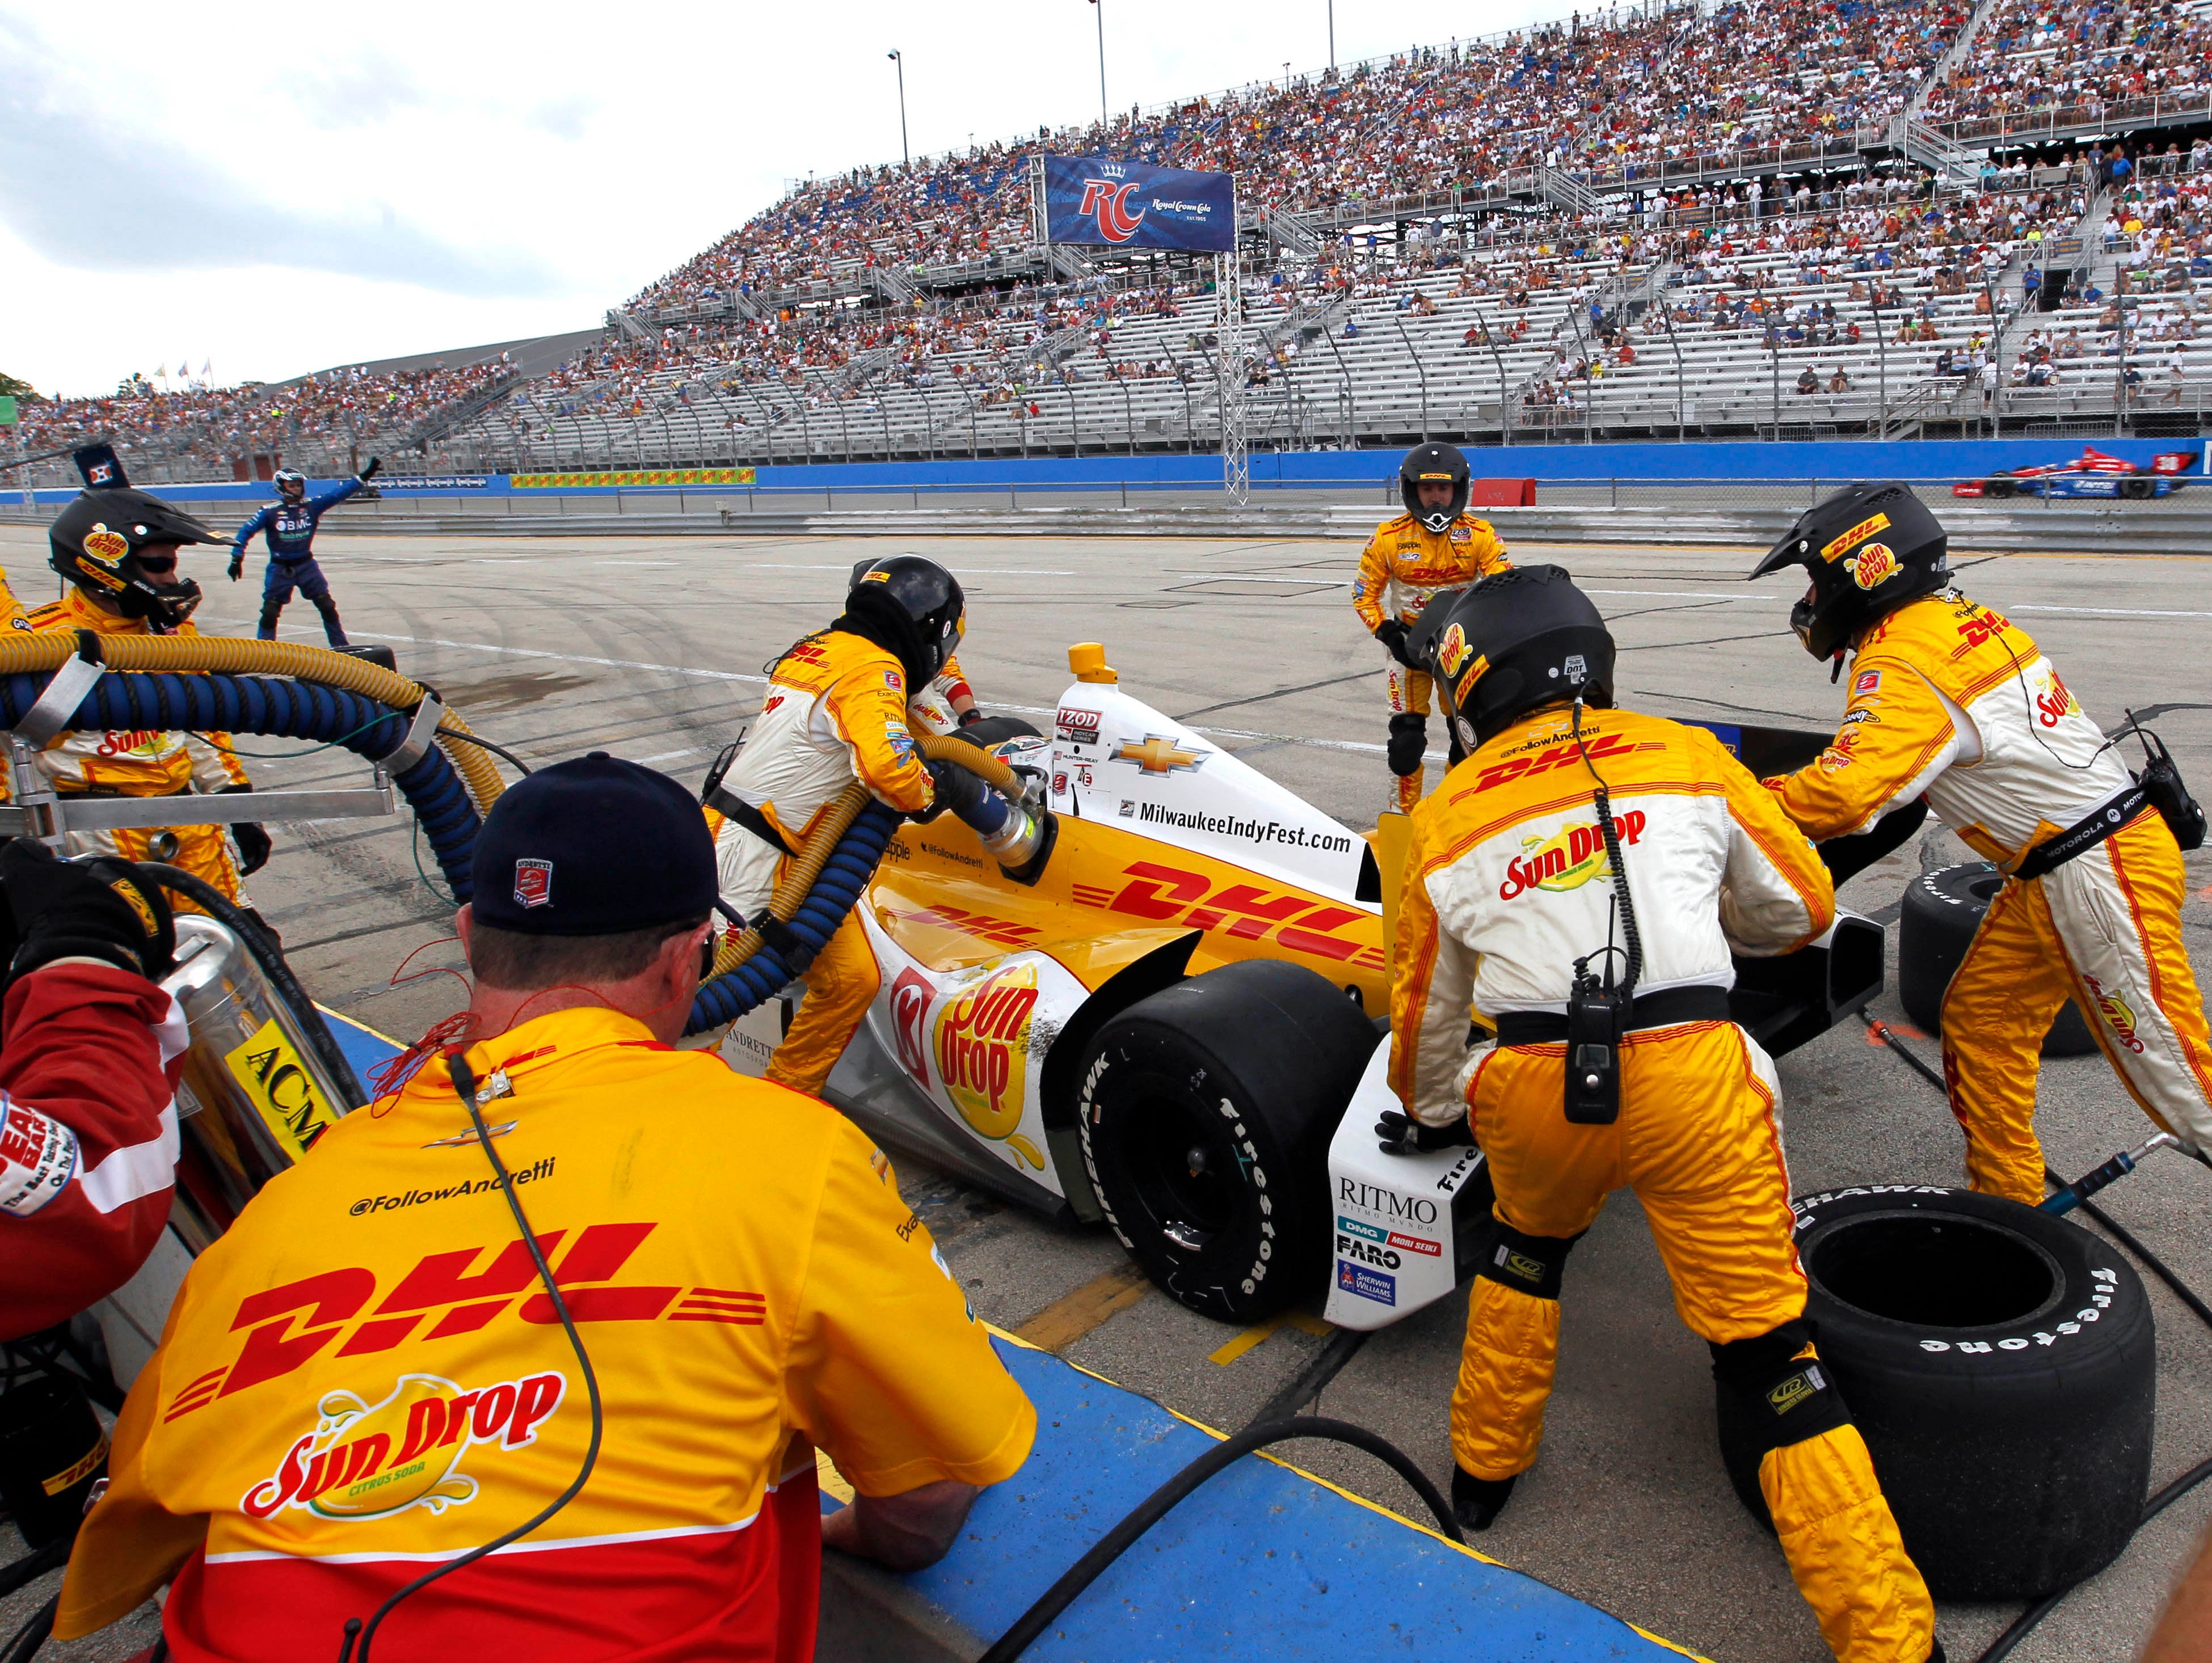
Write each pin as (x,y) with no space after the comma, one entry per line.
(1804,218)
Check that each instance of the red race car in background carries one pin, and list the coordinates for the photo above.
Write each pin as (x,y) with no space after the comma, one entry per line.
(2094,474)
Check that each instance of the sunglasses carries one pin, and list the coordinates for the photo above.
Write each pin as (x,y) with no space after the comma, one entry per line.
(160,566)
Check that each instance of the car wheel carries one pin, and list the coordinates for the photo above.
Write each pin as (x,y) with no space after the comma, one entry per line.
(2137,490)
(2000,1364)
(2002,488)
(1941,911)
(1205,1113)
(996,731)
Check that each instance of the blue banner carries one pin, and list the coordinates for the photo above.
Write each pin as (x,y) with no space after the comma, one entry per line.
(1101,203)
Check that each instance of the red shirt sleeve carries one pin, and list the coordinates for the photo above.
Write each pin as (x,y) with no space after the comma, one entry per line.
(89,1058)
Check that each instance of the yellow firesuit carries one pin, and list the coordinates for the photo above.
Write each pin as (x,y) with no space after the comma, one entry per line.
(1507,884)
(143,762)
(1956,701)
(1405,564)
(835,711)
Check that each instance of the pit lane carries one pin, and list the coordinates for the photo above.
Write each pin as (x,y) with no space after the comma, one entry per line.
(654,649)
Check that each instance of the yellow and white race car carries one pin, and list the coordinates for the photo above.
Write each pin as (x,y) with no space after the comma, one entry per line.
(1173,1025)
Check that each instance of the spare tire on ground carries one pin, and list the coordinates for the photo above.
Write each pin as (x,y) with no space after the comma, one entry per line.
(1999,1362)
(1941,911)
(1205,1113)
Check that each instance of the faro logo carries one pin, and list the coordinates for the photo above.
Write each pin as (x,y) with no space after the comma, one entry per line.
(1567,860)
(1107,203)
(983,1055)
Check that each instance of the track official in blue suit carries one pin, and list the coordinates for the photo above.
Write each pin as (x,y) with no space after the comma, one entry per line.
(291,523)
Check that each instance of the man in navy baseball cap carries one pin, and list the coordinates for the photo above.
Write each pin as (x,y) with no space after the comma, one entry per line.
(594,878)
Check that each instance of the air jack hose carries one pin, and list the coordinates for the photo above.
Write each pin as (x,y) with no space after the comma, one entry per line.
(823,884)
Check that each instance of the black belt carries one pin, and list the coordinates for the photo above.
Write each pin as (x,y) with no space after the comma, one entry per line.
(1663,1009)
(732,807)
(2084,834)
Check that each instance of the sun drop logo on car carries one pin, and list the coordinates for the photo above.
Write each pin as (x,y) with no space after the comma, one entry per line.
(369,1462)
(983,1055)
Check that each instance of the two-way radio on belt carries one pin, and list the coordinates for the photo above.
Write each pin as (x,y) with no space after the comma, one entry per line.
(1597,1007)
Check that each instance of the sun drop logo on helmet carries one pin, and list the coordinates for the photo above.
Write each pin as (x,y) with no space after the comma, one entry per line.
(1874,565)
(1453,651)
(982,1053)
(1858,534)
(364,1461)
(1567,860)
(106,546)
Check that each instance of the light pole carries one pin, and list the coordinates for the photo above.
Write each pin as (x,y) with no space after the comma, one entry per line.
(1332,37)
(905,155)
(1100,4)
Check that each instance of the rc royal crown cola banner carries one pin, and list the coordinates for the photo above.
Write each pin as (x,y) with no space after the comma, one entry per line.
(1131,204)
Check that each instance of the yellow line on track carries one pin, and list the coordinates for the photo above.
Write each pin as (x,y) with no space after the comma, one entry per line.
(1066,1320)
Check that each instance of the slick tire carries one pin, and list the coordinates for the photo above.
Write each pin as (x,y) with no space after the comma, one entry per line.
(2138,490)
(996,731)
(2001,488)
(1205,1113)
(1942,909)
(1999,1362)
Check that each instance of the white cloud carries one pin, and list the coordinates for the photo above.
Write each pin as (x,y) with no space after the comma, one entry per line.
(280,188)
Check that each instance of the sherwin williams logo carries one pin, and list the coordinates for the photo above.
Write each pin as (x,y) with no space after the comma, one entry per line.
(1364,1283)
(1567,860)
(365,1461)
(983,1055)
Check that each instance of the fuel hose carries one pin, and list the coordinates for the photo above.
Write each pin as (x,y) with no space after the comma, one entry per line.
(822,886)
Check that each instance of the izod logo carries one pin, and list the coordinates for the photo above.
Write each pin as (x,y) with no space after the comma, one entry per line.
(983,1055)
(1567,860)
(369,1462)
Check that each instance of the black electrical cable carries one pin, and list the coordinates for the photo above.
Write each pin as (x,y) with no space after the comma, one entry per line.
(2003,1645)
(24,1643)
(255,939)
(465,1087)
(483,743)
(34,1565)
(1156,1506)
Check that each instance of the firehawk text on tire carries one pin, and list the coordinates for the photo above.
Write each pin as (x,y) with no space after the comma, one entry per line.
(1999,1362)
(1941,911)
(1205,1113)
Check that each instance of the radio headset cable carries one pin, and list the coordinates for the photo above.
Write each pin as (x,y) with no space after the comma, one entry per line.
(465,1087)
(2003,1645)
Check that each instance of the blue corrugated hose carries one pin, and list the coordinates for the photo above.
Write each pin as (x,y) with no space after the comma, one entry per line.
(844,875)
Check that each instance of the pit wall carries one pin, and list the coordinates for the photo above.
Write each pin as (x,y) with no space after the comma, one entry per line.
(1926,459)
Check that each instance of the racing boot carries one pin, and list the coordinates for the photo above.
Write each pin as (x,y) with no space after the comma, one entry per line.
(332,631)
(267,632)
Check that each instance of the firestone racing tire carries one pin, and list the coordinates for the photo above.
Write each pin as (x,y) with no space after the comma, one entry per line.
(1205,1113)
(1999,1362)
(996,731)
(1941,911)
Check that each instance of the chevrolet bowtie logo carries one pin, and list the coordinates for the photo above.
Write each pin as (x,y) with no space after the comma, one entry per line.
(1159,755)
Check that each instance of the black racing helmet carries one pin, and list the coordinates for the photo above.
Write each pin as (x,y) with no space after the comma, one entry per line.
(1427,463)
(925,595)
(1511,643)
(1870,548)
(100,542)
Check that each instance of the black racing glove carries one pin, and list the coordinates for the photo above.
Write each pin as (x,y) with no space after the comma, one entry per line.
(970,717)
(253,844)
(237,564)
(370,471)
(100,909)
(956,789)
(1392,634)
(1400,1134)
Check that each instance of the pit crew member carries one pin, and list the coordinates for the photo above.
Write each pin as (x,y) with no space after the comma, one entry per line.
(89,1053)
(118,547)
(945,703)
(290,524)
(836,712)
(1953,701)
(1435,544)
(1509,895)
(366,1373)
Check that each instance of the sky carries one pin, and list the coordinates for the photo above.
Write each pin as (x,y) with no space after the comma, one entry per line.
(279,188)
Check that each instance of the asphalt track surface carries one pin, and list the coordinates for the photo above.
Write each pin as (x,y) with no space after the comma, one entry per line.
(653,649)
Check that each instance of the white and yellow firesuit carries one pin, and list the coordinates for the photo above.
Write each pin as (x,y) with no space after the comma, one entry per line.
(835,711)
(1508,884)
(1403,565)
(939,706)
(1955,702)
(144,763)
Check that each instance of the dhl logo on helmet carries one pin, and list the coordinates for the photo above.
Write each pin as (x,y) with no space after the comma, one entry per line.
(1835,546)
(1569,859)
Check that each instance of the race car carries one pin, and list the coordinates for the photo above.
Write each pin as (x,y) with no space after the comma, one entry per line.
(2094,474)
(1174,1027)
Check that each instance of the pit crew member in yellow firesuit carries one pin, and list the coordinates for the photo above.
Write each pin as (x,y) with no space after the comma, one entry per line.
(371,1373)
(1955,702)
(1435,544)
(1586,872)
(118,548)
(836,712)
(945,703)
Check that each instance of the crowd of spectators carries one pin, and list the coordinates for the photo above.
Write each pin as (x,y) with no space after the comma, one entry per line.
(2030,56)
(324,419)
